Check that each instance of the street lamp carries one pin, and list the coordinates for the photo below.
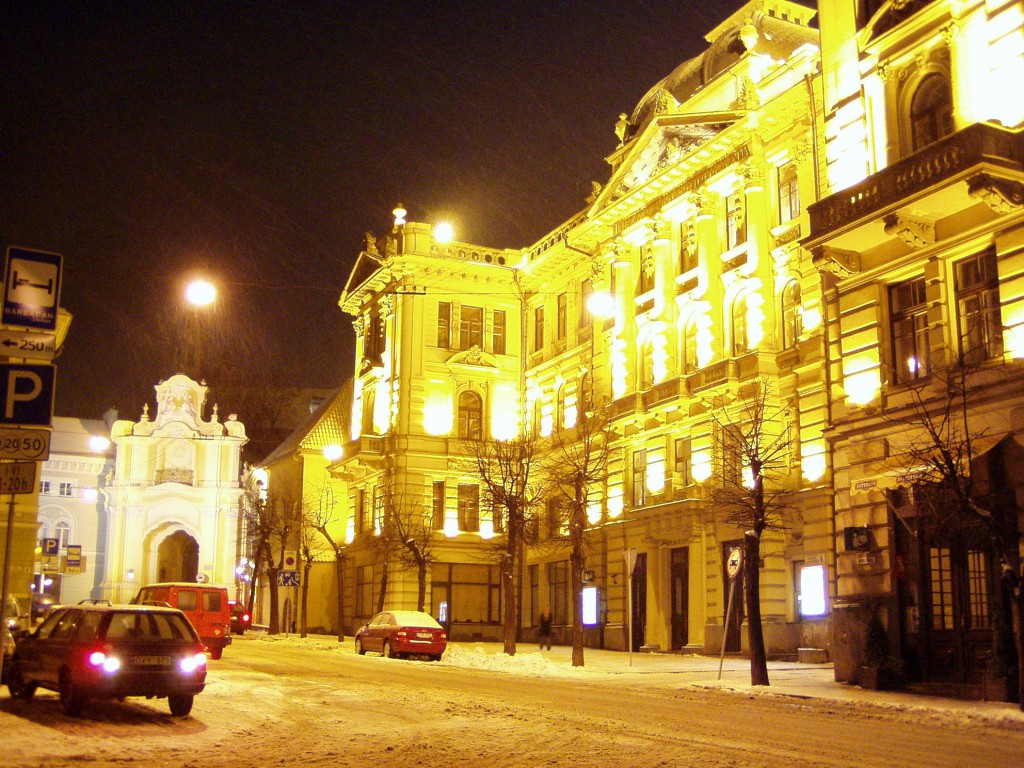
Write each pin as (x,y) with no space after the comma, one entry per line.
(201,292)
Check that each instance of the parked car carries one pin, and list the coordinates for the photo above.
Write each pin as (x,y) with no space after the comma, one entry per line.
(41,605)
(206,607)
(402,633)
(110,651)
(241,619)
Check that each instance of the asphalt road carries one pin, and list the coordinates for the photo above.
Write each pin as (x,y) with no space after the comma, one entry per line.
(319,704)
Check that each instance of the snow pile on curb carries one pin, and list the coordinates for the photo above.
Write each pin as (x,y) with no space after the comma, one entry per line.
(521,663)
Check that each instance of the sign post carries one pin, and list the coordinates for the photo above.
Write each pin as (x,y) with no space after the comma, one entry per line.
(732,567)
(630,556)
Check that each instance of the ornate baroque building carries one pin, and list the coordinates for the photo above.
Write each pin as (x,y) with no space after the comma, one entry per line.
(828,221)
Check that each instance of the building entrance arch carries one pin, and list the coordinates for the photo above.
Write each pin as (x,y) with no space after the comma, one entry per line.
(177,558)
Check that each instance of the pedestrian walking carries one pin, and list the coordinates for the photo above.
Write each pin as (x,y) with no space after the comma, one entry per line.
(544,628)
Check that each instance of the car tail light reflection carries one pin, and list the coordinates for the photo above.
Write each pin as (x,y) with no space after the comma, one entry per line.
(192,663)
(105,662)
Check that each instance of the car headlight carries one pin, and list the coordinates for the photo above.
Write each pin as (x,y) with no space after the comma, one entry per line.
(192,663)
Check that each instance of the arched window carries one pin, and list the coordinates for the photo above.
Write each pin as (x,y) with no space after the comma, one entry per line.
(63,534)
(931,111)
(792,321)
(471,412)
(739,326)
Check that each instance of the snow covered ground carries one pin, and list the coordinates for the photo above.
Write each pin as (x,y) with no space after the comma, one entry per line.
(311,702)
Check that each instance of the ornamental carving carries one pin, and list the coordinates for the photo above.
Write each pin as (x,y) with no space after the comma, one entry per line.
(387,305)
(839,263)
(1001,195)
(914,232)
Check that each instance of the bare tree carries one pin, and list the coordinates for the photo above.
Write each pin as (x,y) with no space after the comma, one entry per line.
(312,547)
(950,497)
(320,513)
(410,534)
(752,443)
(507,468)
(578,468)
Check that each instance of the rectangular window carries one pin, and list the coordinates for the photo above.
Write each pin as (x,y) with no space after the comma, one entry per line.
(471,327)
(731,445)
(469,508)
(645,280)
(639,478)
(364,511)
(563,315)
(378,508)
(586,289)
(909,319)
(789,193)
(656,469)
(735,221)
(553,512)
(364,590)
(538,329)
(44,486)
(977,308)
(444,324)
(683,457)
(558,592)
(437,511)
(373,342)
(67,489)
(687,247)
(500,332)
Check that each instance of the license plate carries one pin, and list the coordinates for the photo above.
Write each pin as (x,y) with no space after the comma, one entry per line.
(151,661)
(424,635)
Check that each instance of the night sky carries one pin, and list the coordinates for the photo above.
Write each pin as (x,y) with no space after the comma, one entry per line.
(258,141)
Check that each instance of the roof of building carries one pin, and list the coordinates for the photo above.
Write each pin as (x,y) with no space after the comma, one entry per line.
(325,426)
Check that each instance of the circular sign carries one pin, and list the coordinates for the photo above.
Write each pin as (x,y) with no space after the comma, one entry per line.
(732,567)
(200,578)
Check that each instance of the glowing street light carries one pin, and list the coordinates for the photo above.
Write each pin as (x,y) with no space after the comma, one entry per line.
(201,293)
(601,305)
(443,232)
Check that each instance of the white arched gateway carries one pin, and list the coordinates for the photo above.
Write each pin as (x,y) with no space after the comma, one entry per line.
(172,501)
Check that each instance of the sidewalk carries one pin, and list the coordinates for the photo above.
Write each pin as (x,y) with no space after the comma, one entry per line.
(787,678)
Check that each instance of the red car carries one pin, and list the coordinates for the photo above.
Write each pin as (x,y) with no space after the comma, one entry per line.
(241,619)
(396,634)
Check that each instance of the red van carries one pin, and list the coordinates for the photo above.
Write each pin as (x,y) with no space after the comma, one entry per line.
(206,607)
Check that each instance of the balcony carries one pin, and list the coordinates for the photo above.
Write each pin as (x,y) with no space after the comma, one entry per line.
(665,392)
(175,475)
(937,171)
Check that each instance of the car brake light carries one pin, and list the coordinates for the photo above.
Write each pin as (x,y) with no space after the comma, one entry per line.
(192,663)
(107,663)
(401,633)
(245,617)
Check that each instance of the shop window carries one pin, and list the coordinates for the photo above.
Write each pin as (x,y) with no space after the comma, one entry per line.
(977,305)
(909,328)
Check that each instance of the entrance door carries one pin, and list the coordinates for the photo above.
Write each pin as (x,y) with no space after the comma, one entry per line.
(639,600)
(736,616)
(178,558)
(680,575)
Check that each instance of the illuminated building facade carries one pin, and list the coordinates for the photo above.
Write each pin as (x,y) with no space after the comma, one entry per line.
(821,217)
(920,245)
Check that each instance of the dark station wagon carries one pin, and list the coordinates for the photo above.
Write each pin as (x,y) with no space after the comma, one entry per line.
(111,651)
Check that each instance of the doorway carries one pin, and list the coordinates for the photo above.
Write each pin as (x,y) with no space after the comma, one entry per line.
(680,575)
(177,558)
